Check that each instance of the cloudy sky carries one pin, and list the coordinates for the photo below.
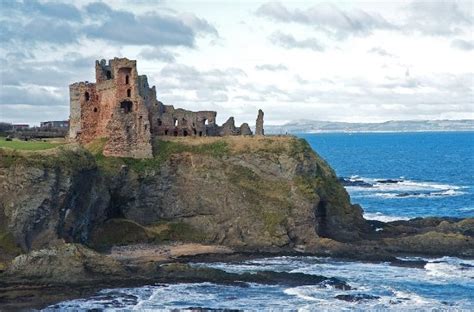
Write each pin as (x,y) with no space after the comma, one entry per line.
(341,60)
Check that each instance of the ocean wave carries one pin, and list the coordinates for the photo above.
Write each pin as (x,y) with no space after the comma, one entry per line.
(378,216)
(375,286)
(446,267)
(396,188)
(451,268)
(444,193)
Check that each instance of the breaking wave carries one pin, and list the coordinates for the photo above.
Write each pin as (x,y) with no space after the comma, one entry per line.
(444,283)
(378,216)
(398,188)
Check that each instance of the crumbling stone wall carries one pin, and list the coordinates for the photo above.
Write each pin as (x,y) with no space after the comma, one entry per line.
(181,122)
(83,99)
(123,108)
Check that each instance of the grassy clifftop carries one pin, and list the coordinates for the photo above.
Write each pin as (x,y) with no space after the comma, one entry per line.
(30,145)
(166,147)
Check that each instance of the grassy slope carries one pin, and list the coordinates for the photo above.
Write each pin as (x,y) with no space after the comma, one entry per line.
(28,145)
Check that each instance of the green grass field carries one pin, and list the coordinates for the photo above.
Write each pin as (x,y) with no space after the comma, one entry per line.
(27,145)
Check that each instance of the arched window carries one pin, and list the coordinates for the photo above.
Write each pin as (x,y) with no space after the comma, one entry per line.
(87,96)
(126,79)
(175,122)
(166,132)
(95,109)
(109,74)
(185,132)
(159,122)
(129,93)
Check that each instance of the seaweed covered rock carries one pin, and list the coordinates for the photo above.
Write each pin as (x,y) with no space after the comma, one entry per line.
(67,263)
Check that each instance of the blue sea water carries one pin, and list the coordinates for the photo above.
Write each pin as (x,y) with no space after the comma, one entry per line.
(434,177)
(435,171)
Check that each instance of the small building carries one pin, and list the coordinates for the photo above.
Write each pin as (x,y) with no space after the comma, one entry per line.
(19,127)
(61,124)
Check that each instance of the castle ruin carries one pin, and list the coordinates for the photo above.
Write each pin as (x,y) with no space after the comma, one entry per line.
(121,107)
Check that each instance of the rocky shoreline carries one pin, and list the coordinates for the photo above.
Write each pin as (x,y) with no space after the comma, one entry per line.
(73,222)
(39,279)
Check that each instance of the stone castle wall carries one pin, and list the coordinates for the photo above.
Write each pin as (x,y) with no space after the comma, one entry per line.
(123,108)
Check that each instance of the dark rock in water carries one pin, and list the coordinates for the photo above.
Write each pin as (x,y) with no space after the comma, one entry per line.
(294,279)
(336,283)
(356,297)
(183,273)
(354,182)
(406,194)
(202,309)
(420,264)
(389,181)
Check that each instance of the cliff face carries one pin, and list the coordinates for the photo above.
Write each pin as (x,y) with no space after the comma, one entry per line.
(246,192)
(50,196)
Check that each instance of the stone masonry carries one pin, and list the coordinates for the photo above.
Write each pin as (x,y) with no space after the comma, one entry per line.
(121,107)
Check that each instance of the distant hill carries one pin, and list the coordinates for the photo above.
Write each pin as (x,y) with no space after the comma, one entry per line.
(311,126)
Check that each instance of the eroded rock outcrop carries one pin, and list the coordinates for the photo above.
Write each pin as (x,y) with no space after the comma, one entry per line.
(250,193)
(50,197)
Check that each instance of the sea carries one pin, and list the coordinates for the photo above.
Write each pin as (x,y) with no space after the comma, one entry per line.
(396,176)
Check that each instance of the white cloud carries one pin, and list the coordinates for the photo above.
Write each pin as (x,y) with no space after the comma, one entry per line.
(346,61)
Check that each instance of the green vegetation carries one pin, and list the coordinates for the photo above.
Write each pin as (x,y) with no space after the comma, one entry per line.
(300,146)
(116,232)
(27,145)
(307,185)
(272,219)
(8,245)
(63,157)
(163,150)
(269,197)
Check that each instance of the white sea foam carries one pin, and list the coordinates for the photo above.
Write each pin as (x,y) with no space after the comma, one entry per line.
(378,216)
(397,288)
(400,188)
(444,193)
(451,268)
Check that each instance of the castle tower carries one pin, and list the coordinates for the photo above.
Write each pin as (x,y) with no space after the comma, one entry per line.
(112,108)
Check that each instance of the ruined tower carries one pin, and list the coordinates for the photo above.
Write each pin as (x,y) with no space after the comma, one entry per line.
(121,108)
(259,123)
(112,108)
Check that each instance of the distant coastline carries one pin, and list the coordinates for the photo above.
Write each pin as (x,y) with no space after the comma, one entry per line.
(404,126)
(388,131)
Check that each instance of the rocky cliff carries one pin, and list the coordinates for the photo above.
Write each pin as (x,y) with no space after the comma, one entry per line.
(197,198)
(250,193)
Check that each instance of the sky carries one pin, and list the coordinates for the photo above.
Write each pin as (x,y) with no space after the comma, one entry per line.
(351,61)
